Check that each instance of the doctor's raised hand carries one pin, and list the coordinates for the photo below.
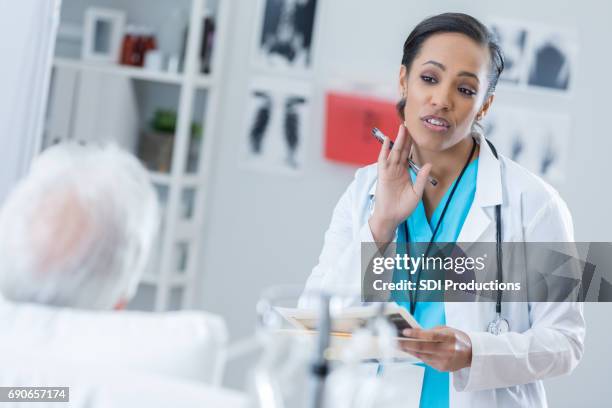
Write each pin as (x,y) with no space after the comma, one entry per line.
(396,195)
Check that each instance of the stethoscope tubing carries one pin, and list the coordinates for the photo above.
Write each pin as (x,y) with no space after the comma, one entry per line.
(499,258)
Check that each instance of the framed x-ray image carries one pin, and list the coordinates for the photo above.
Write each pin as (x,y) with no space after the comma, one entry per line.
(276,127)
(284,33)
(539,141)
(512,37)
(552,59)
(537,57)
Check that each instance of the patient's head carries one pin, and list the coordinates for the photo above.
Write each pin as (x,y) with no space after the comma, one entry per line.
(77,231)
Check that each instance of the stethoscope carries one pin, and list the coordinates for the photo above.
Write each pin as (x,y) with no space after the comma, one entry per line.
(499,324)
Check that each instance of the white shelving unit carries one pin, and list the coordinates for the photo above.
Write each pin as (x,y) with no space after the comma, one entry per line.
(201,81)
(174,266)
(120,70)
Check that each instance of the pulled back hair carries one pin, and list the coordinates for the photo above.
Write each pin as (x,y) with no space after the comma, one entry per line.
(453,23)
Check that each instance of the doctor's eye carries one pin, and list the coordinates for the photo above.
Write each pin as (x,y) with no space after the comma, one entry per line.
(467,91)
(429,79)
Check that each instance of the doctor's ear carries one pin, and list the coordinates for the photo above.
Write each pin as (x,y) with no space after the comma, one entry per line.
(401,104)
(403,78)
(485,108)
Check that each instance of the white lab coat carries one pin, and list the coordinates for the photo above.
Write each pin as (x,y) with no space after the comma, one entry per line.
(546,339)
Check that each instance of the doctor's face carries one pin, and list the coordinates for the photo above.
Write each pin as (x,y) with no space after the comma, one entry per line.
(444,90)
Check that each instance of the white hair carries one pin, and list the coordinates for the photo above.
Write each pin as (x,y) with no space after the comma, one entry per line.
(78,230)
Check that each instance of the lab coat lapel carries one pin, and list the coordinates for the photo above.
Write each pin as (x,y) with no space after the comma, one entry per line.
(488,195)
(475,224)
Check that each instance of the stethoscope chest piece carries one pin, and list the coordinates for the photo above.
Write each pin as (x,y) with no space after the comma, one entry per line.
(498,326)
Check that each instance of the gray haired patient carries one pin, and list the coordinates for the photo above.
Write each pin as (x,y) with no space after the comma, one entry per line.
(78,230)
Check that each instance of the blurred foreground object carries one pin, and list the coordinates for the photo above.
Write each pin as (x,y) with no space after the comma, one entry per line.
(111,359)
(77,231)
(298,368)
(185,345)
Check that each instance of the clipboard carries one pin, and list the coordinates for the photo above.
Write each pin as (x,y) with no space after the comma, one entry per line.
(344,322)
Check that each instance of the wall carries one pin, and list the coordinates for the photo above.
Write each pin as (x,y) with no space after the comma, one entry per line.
(266,229)
(28,30)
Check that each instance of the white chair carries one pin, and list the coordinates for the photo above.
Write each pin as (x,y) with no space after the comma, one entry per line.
(95,386)
(184,345)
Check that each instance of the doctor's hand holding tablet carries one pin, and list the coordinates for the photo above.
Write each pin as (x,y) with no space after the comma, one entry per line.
(443,348)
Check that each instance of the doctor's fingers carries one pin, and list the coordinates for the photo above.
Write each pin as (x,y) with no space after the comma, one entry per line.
(398,147)
(438,333)
(384,152)
(421,180)
(424,347)
(432,361)
(407,148)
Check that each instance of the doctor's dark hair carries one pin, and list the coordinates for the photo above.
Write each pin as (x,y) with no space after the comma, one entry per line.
(453,23)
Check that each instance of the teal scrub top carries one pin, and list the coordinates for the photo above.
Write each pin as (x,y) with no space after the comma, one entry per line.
(435,389)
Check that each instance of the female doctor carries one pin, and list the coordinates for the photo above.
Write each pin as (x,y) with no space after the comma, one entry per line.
(447,78)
